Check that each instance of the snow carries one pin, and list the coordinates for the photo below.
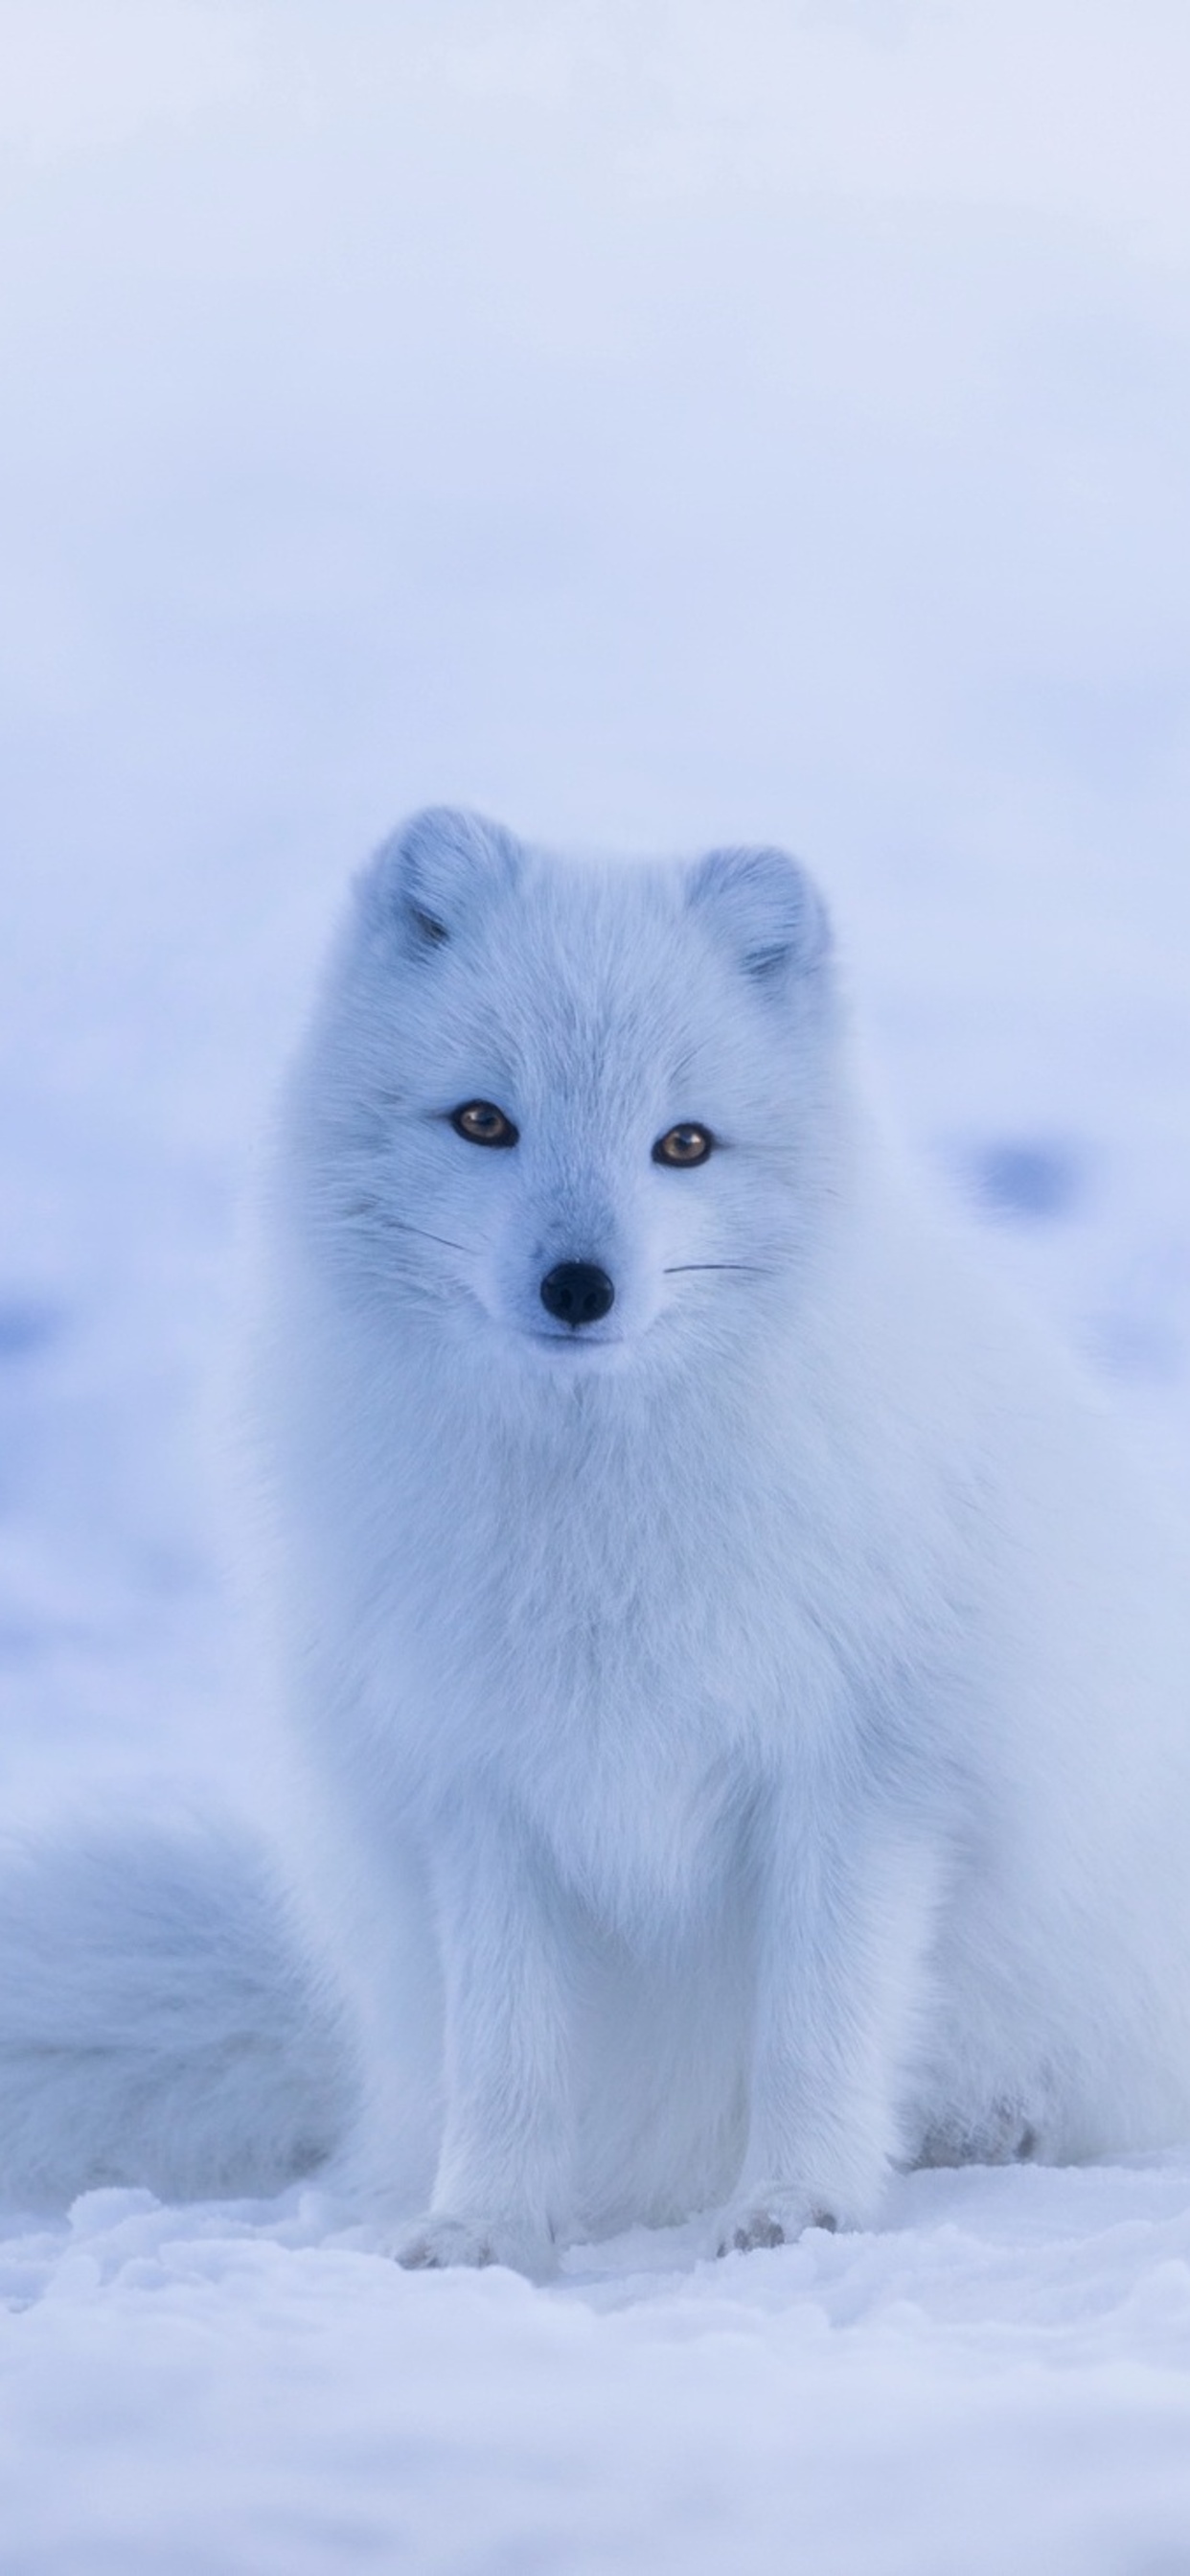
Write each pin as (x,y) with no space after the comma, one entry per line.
(654,426)
(1000,2377)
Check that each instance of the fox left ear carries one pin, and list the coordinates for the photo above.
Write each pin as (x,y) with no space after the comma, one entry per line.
(766,906)
(436,873)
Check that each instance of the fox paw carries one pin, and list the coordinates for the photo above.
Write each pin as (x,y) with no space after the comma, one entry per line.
(769,2218)
(437,2243)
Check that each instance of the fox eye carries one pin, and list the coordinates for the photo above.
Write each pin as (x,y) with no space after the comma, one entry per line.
(483,1124)
(684,1145)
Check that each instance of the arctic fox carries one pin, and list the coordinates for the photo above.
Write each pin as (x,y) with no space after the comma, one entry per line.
(734,1701)
(744,1718)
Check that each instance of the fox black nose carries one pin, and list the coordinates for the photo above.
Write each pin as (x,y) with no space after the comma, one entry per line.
(577,1293)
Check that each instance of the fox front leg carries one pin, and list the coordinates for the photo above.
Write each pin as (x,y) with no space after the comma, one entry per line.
(843,1925)
(502,2190)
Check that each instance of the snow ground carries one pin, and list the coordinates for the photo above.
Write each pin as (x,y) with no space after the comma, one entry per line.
(999,2379)
(656,426)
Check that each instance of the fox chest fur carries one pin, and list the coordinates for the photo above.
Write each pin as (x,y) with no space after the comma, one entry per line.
(601,1612)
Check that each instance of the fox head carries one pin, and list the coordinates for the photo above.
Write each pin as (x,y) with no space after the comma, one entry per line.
(573,1114)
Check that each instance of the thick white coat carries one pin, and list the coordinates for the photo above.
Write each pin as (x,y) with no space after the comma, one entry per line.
(725,1750)
(746,1741)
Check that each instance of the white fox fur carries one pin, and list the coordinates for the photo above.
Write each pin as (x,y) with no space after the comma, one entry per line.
(748,1737)
(159,2022)
(738,1744)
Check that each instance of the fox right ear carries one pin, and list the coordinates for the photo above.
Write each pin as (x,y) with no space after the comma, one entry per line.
(768,910)
(427,881)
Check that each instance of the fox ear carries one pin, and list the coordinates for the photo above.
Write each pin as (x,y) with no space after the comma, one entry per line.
(437,869)
(763,904)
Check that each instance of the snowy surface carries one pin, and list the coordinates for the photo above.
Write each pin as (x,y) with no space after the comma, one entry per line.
(655,425)
(1000,2379)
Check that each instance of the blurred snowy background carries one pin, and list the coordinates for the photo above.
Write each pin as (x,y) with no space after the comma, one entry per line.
(655,421)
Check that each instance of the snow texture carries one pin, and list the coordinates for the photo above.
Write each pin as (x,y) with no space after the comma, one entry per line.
(659,427)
